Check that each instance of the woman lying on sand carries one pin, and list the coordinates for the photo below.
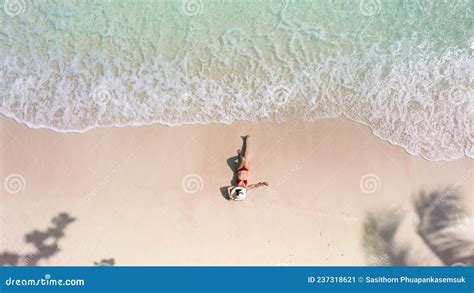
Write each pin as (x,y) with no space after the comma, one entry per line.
(239,190)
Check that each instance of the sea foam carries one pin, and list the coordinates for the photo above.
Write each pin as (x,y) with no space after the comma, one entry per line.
(403,69)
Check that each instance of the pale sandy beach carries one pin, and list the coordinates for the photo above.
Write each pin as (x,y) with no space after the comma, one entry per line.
(125,189)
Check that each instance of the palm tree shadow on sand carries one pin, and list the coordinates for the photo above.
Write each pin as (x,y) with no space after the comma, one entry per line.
(439,232)
(45,244)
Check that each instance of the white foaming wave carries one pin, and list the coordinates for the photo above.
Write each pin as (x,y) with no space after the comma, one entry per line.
(408,95)
(419,106)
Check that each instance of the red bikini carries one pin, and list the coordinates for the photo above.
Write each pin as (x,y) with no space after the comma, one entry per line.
(242,180)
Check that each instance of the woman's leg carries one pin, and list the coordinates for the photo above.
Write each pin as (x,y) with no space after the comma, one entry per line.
(241,162)
(246,154)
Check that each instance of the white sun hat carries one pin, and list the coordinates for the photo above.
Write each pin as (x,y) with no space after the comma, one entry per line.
(238,193)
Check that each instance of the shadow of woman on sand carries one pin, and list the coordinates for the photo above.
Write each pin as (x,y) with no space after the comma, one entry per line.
(233,162)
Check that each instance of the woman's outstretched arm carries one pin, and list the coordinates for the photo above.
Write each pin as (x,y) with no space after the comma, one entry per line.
(252,186)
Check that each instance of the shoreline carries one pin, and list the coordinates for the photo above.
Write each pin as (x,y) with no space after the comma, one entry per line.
(159,123)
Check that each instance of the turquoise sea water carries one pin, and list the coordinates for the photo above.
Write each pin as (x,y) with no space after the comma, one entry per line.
(405,68)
